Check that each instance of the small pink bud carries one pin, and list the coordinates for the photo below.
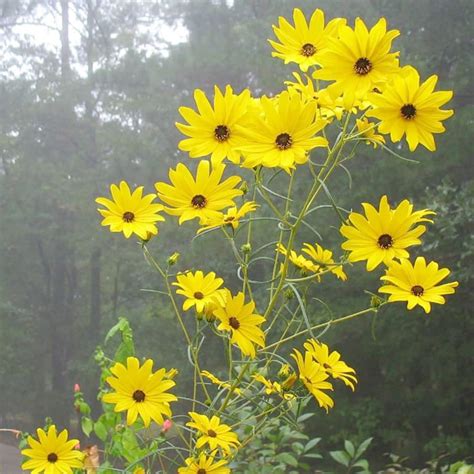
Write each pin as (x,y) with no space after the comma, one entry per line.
(78,446)
(166,426)
(77,388)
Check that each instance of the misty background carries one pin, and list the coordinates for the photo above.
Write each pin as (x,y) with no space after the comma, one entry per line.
(89,94)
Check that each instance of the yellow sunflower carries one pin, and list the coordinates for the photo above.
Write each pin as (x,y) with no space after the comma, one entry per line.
(327,107)
(358,60)
(314,377)
(331,361)
(407,108)
(200,198)
(200,290)
(130,213)
(368,131)
(270,387)
(305,265)
(380,236)
(204,465)
(140,392)
(231,218)
(242,322)
(303,43)
(52,453)
(323,258)
(417,284)
(213,432)
(284,135)
(213,130)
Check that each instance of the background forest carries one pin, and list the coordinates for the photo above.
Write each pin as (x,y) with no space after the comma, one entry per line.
(89,94)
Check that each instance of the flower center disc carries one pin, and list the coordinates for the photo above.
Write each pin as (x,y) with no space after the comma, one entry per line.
(198,295)
(128,216)
(52,457)
(408,111)
(417,290)
(308,50)
(362,66)
(199,201)
(234,323)
(138,396)
(385,241)
(221,133)
(201,471)
(283,141)
(211,433)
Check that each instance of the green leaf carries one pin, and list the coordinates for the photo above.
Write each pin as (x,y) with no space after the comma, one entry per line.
(304,417)
(341,457)
(120,326)
(363,463)
(311,444)
(313,456)
(363,447)
(349,447)
(87,425)
(287,458)
(100,430)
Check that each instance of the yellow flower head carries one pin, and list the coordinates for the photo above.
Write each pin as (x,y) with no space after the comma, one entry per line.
(417,284)
(306,266)
(219,383)
(200,290)
(327,107)
(324,260)
(331,362)
(407,108)
(358,60)
(203,465)
(232,217)
(200,198)
(284,135)
(213,130)
(130,213)
(213,432)
(240,320)
(52,453)
(140,391)
(270,387)
(303,43)
(314,377)
(384,234)
(368,131)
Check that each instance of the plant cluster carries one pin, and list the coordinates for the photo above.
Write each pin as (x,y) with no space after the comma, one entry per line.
(351,91)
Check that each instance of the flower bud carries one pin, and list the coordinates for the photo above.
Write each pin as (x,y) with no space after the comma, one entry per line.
(77,388)
(173,259)
(167,424)
(246,248)
(244,187)
(375,301)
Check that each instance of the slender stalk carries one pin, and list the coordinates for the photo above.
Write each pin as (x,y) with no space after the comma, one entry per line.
(322,325)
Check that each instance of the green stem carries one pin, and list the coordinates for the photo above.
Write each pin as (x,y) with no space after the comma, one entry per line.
(322,325)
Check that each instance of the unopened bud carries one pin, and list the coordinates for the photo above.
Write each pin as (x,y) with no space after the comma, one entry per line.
(244,187)
(167,424)
(173,259)
(289,294)
(77,388)
(289,382)
(375,301)
(246,248)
